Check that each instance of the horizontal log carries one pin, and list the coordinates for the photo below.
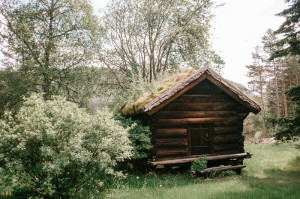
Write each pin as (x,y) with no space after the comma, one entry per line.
(226,129)
(204,90)
(229,138)
(208,158)
(171,132)
(185,121)
(194,114)
(223,168)
(225,147)
(171,152)
(171,142)
(203,98)
(211,106)
(226,152)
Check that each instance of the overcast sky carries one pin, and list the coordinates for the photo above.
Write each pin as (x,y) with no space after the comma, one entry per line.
(238,28)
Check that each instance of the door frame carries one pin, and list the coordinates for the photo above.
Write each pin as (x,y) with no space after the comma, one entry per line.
(211,137)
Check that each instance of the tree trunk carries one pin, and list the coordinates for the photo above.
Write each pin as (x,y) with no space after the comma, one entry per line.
(262,107)
(276,89)
(284,97)
(296,74)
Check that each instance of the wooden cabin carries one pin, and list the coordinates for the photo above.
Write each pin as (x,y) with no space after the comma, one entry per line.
(202,114)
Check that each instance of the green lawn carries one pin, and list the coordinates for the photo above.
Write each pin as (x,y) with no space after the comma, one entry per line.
(272,172)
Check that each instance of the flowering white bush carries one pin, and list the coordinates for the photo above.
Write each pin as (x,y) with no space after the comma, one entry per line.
(53,148)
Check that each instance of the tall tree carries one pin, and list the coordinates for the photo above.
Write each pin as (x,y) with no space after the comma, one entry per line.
(290,43)
(257,74)
(156,36)
(48,38)
(289,29)
(268,40)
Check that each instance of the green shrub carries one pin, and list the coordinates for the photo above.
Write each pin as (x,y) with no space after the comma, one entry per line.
(54,149)
(221,173)
(139,135)
(285,128)
(200,164)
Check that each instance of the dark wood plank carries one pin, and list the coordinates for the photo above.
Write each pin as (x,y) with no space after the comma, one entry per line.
(233,95)
(203,98)
(179,93)
(229,138)
(225,147)
(226,152)
(194,114)
(171,132)
(226,129)
(185,121)
(167,142)
(171,152)
(204,106)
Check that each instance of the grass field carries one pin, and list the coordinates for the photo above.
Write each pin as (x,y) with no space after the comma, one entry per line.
(272,172)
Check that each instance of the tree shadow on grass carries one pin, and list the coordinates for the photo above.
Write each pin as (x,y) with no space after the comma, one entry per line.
(297,146)
(277,183)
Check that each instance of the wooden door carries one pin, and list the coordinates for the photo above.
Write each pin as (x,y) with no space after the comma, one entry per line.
(200,139)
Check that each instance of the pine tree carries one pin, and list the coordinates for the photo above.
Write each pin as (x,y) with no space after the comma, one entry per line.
(257,74)
(290,46)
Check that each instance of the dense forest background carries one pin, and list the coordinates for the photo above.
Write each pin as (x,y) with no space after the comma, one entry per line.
(62,47)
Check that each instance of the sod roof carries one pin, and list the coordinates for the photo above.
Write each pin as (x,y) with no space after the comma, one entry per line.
(155,101)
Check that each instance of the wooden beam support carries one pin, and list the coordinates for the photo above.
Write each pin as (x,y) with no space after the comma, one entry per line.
(223,168)
(208,158)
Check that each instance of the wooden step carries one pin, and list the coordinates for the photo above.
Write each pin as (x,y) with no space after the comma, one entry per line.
(223,168)
(208,158)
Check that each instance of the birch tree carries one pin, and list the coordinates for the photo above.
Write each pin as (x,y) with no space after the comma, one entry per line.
(158,36)
(48,38)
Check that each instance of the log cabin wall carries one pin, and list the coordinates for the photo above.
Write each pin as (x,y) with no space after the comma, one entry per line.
(207,108)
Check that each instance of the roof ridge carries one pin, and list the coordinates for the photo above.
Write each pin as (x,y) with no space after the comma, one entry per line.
(197,74)
(174,89)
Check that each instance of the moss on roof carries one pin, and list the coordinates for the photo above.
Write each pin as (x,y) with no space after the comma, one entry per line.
(137,106)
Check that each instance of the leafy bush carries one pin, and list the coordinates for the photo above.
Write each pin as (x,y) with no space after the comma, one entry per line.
(200,164)
(139,135)
(54,149)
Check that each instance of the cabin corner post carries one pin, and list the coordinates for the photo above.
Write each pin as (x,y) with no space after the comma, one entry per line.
(212,137)
(189,140)
(242,138)
(153,127)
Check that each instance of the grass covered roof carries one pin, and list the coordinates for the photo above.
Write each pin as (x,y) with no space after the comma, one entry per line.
(172,85)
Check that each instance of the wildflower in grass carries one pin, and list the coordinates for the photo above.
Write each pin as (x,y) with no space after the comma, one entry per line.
(137,177)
